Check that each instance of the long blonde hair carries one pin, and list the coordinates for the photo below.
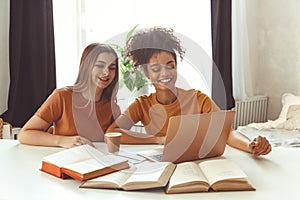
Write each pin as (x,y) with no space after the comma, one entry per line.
(87,61)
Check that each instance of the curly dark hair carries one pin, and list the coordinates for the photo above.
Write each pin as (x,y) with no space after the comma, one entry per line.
(141,46)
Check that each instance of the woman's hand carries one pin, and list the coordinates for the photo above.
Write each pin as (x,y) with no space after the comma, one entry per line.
(161,140)
(260,146)
(72,141)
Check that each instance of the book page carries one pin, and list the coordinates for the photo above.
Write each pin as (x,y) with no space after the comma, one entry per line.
(72,155)
(85,166)
(148,172)
(186,172)
(109,160)
(112,180)
(92,164)
(221,169)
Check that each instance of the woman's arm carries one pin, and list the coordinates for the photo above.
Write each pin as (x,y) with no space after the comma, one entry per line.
(34,133)
(258,146)
(123,125)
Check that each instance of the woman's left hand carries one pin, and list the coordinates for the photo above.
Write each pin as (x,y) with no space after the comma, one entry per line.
(260,146)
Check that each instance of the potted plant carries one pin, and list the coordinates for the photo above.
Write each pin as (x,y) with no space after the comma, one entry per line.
(132,77)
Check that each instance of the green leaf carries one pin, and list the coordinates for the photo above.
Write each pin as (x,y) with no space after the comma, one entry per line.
(130,33)
(118,48)
(129,84)
(129,75)
(126,75)
(139,79)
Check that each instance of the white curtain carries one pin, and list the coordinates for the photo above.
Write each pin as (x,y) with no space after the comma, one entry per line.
(241,73)
(4,54)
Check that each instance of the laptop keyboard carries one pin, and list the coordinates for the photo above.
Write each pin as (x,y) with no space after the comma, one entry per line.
(156,157)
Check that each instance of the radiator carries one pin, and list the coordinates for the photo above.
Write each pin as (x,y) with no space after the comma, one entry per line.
(251,110)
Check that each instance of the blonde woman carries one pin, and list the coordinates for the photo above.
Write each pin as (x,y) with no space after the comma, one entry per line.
(79,114)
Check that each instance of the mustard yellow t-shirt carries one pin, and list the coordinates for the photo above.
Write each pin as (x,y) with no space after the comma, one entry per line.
(155,116)
(71,114)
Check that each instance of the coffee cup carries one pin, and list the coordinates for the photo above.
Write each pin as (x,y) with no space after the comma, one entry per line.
(113,140)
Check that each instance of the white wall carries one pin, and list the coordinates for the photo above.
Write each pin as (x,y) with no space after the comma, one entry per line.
(4,56)
(274,34)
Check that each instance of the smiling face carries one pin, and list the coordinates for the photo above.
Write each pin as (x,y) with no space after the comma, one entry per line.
(162,71)
(104,70)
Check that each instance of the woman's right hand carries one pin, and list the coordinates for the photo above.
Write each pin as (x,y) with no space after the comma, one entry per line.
(161,140)
(72,141)
(260,146)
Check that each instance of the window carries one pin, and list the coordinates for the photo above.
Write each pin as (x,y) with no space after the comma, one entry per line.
(80,22)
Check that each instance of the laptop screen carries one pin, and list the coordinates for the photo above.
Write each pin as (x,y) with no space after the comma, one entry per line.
(197,136)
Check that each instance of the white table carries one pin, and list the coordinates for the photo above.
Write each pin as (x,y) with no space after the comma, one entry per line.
(275,176)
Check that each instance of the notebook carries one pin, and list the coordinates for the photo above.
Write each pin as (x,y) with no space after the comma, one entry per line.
(193,137)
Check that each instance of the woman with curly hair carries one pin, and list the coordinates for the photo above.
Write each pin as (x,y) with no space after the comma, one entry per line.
(79,114)
(155,50)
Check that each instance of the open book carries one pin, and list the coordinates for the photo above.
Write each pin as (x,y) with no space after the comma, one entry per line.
(209,175)
(141,176)
(82,163)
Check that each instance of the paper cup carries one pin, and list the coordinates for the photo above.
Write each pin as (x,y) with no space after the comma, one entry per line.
(113,141)
(6,132)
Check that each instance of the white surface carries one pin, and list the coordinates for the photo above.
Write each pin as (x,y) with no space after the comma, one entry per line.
(275,176)
(277,137)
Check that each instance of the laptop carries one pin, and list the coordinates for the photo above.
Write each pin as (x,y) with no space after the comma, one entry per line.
(193,137)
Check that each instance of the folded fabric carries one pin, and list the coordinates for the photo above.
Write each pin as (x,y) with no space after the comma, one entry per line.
(288,118)
(293,119)
(287,100)
(268,124)
(277,137)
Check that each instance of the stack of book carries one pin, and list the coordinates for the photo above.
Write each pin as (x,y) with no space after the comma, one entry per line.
(82,163)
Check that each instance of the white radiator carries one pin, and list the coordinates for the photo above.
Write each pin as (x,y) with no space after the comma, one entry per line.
(251,110)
